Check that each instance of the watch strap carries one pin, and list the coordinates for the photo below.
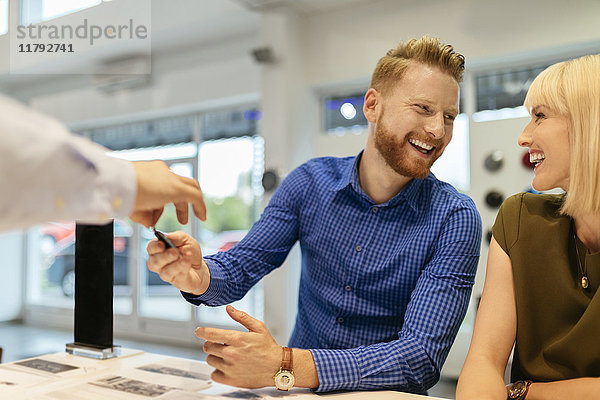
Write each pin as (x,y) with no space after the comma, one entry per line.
(287,361)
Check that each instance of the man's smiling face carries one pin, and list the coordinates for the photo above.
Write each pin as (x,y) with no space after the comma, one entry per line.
(415,122)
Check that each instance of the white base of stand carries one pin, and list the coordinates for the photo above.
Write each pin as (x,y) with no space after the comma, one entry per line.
(91,351)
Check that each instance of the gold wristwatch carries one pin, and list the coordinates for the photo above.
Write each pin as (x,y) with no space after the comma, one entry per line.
(284,379)
(518,390)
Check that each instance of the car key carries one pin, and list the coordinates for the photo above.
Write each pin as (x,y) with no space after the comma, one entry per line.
(163,238)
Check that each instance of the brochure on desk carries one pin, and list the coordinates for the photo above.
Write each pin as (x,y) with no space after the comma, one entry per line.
(44,371)
(139,381)
(65,377)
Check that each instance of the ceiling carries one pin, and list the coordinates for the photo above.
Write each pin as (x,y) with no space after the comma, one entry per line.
(178,25)
(306,7)
(197,22)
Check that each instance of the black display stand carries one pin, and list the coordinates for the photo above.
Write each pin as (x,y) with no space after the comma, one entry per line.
(94,292)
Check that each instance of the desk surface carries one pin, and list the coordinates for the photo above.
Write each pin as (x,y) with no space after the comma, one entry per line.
(138,375)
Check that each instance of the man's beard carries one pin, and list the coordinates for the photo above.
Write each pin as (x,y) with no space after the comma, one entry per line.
(395,152)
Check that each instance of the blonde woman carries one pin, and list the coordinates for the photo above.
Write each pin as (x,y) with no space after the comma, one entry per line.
(543,268)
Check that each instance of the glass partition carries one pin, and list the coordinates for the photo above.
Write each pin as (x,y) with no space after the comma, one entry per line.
(159,299)
(33,11)
(51,259)
(228,174)
(229,170)
(3,16)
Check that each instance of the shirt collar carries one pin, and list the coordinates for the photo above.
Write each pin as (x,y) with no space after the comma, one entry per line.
(410,193)
(349,175)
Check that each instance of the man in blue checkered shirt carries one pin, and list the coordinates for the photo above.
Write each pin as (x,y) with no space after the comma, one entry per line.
(389,253)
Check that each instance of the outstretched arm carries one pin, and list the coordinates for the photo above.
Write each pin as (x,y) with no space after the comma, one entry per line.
(51,174)
(263,249)
(482,376)
(226,277)
(411,362)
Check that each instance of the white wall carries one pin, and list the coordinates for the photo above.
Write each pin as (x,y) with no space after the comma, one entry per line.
(284,101)
(345,44)
(512,178)
(197,77)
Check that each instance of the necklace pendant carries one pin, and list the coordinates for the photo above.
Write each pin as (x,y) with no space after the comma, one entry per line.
(584,282)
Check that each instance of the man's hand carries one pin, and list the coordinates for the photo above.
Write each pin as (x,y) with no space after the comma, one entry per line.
(182,267)
(157,186)
(243,359)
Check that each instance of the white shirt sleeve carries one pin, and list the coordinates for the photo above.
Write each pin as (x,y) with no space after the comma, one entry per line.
(49,174)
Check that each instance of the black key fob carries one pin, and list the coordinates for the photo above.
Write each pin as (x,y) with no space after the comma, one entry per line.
(163,238)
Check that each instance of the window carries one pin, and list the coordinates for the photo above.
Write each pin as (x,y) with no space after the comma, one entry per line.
(33,11)
(144,134)
(344,113)
(154,297)
(453,165)
(230,178)
(229,165)
(230,123)
(3,16)
(505,89)
(498,89)
(51,258)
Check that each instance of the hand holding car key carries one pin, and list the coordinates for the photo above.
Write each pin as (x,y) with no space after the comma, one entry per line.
(184,269)
(163,238)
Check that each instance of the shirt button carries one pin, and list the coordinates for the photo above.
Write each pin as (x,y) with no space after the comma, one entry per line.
(340,320)
(375,209)
(348,288)
(359,248)
(117,203)
(59,203)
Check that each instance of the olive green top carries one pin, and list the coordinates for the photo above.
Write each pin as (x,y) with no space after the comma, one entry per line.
(558,322)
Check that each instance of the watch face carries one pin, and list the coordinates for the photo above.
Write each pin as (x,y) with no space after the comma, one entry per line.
(517,389)
(284,380)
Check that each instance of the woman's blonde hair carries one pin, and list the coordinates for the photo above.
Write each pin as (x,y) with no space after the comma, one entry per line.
(391,67)
(572,88)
